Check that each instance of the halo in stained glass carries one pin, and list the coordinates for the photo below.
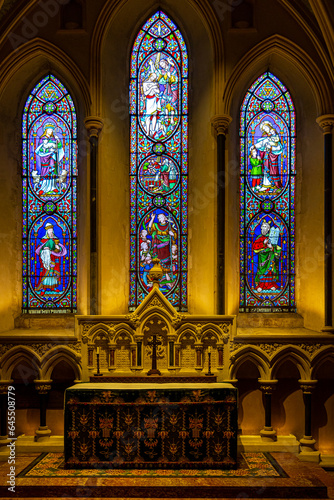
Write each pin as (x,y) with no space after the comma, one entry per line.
(49,199)
(267,190)
(159,159)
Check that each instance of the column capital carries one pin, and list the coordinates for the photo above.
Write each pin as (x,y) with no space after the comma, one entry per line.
(4,384)
(326,123)
(307,386)
(199,347)
(267,386)
(221,123)
(42,386)
(94,125)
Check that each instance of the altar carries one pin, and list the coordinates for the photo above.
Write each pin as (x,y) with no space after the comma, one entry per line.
(153,392)
(151,426)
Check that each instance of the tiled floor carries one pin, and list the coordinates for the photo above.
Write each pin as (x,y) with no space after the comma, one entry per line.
(306,480)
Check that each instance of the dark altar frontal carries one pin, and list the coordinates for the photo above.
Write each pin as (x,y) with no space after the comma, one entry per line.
(150,426)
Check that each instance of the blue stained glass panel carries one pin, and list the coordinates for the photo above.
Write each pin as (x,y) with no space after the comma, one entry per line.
(49,149)
(267,197)
(159,160)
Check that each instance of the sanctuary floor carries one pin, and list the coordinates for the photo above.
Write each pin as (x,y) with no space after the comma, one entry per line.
(284,477)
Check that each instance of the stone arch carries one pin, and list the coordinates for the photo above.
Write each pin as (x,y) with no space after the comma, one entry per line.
(110,102)
(249,367)
(123,329)
(158,314)
(309,90)
(297,357)
(111,9)
(19,73)
(326,354)
(187,329)
(48,54)
(14,356)
(55,356)
(256,61)
(250,354)
(289,366)
(96,330)
(323,399)
(213,330)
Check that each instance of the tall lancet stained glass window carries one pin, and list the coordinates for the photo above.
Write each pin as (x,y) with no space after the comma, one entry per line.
(49,199)
(267,198)
(159,160)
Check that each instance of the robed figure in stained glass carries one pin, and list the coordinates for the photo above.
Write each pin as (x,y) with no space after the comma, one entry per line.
(49,251)
(49,147)
(270,148)
(267,197)
(268,253)
(159,160)
(163,238)
(50,152)
(159,96)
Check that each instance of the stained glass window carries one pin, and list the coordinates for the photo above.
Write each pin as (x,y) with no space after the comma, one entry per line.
(267,198)
(159,160)
(49,133)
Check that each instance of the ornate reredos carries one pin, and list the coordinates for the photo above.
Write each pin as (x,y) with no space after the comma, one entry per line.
(122,339)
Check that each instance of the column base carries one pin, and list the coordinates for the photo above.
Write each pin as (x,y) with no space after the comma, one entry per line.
(4,448)
(307,446)
(309,456)
(268,434)
(42,434)
(328,329)
(4,440)
(327,460)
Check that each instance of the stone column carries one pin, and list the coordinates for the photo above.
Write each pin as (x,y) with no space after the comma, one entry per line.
(220,124)
(42,387)
(4,384)
(220,351)
(90,353)
(267,434)
(326,123)
(199,357)
(307,443)
(111,355)
(171,338)
(177,346)
(94,126)
(133,355)
(139,353)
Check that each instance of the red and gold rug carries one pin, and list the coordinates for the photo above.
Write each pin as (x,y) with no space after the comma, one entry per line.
(259,475)
(250,465)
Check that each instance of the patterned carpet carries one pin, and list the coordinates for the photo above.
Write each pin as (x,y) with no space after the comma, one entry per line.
(251,465)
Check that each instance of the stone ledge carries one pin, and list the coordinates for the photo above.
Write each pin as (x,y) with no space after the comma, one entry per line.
(255,443)
(327,461)
(269,320)
(43,321)
(43,334)
(280,334)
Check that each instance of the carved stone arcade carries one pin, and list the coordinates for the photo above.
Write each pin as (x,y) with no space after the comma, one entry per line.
(184,341)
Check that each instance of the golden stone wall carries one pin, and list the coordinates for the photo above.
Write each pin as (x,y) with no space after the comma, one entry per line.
(225,57)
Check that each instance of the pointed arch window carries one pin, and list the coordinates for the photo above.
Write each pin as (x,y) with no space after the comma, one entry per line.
(159,160)
(49,137)
(267,198)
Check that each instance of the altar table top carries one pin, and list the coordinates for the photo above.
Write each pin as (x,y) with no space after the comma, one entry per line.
(134,386)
